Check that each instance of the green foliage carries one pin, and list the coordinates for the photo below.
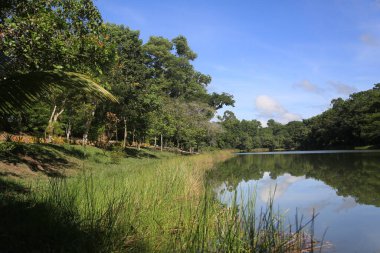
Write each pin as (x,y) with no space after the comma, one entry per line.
(351,122)
(18,91)
(41,34)
(55,52)
(217,101)
(348,123)
(182,48)
(8,147)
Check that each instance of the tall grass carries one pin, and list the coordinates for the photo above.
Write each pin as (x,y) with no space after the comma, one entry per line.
(159,205)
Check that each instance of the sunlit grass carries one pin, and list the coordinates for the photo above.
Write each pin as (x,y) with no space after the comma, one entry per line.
(159,203)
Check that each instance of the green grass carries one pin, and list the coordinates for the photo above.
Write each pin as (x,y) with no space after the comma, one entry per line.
(134,201)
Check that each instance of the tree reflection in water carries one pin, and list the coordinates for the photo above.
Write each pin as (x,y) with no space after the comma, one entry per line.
(350,174)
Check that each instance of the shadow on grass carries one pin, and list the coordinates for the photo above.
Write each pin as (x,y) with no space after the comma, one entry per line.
(135,153)
(35,156)
(7,186)
(31,225)
(68,150)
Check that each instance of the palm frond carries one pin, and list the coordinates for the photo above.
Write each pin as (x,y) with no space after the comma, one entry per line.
(19,90)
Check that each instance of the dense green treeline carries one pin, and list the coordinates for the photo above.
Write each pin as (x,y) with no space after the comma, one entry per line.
(348,123)
(351,122)
(161,97)
(249,134)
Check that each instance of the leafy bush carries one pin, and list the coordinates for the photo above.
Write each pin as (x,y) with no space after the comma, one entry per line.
(11,147)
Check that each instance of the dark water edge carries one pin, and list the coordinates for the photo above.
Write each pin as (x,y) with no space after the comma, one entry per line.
(343,186)
(300,152)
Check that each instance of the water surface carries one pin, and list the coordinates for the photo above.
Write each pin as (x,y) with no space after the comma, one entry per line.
(342,186)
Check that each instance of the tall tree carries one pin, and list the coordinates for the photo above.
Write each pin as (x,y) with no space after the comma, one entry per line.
(41,37)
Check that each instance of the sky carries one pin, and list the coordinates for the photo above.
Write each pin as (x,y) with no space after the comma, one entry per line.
(284,60)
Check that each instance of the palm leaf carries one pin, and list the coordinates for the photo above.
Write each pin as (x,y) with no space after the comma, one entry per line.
(20,91)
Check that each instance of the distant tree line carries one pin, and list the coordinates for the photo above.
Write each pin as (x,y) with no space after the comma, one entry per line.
(348,123)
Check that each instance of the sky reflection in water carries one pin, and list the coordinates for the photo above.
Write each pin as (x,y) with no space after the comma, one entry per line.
(344,188)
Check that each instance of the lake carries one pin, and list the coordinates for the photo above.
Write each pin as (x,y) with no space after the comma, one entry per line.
(342,186)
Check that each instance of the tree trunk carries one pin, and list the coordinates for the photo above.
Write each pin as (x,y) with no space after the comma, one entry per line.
(125,133)
(53,119)
(161,142)
(47,130)
(133,137)
(68,132)
(87,126)
(155,141)
(85,138)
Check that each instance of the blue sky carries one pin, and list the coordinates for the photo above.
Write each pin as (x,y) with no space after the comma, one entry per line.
(280,59)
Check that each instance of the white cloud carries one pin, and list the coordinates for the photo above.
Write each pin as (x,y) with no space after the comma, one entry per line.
(274,189)
(269,108)
(343,89)
(307,86)
(290,117)
(347,203)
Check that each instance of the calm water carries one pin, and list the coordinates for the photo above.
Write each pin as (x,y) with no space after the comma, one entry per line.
(343,187)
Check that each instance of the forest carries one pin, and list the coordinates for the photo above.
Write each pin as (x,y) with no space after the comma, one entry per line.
(347,124)
(66,76)
(53,51)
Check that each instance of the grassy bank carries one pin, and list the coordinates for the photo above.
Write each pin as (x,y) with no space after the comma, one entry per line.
(132,201)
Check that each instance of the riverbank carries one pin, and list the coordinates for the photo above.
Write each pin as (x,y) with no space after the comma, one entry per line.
(262,150)
(121,201)
(99,200)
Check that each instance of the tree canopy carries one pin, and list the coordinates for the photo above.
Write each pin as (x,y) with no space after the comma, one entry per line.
(348,123)
(54,55)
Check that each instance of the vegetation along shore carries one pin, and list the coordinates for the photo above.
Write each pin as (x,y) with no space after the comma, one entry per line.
(135,201)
